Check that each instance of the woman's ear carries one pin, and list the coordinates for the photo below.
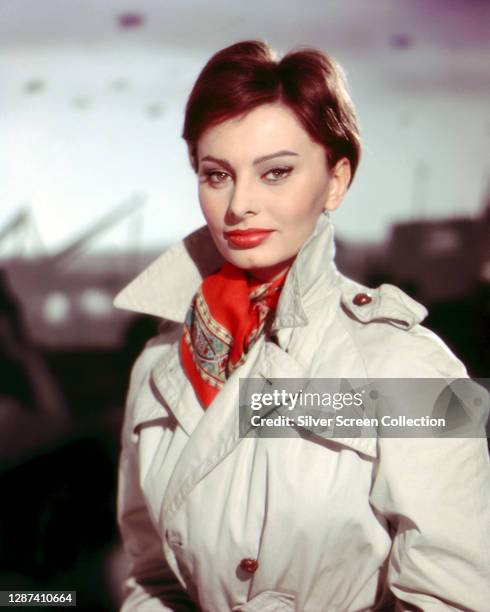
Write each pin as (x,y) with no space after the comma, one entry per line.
(340,176)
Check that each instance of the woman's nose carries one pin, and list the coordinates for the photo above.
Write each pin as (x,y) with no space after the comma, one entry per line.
(243,200)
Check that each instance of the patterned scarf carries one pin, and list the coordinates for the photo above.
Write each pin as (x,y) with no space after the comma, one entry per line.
(226,316)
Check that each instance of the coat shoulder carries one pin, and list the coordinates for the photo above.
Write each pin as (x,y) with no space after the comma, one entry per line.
(384,324)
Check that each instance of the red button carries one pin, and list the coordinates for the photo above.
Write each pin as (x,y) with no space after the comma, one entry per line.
(249,565)
(361,299)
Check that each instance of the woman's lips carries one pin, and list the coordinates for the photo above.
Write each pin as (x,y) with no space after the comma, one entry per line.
(247,239)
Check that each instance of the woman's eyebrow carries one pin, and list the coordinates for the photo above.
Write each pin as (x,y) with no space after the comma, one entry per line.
(256,161)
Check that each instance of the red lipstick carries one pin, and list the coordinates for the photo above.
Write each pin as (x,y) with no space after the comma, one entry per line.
(247,239)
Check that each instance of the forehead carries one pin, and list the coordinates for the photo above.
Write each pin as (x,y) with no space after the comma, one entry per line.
(260,130)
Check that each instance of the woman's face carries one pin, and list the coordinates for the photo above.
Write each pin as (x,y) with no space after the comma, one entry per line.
(262,185)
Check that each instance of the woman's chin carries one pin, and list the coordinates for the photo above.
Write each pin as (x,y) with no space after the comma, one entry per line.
(255,261)
(261,270)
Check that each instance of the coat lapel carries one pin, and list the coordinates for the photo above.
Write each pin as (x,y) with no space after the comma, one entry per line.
(214,433)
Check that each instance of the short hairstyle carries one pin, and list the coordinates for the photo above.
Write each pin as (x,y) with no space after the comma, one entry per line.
(247,74)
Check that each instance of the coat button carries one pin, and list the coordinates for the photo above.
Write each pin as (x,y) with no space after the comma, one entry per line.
(249,565)
(360,299)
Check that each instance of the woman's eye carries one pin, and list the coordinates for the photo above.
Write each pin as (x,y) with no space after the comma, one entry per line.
(216,177)
(277,173)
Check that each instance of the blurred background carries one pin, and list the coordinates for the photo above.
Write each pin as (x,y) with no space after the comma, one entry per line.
(95,183)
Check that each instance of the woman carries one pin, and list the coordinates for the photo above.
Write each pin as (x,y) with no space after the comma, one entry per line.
(216,522)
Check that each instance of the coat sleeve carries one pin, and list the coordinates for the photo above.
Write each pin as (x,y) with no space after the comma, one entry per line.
(150,586)
(435,494)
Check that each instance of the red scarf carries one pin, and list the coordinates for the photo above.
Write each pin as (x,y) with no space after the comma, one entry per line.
(226,316)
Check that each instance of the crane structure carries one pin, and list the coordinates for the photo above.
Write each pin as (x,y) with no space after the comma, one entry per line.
(64,305)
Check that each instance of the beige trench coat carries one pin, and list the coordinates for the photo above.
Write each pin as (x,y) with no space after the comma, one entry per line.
(348,524)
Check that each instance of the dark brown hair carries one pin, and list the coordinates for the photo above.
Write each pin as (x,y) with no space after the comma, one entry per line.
(247,74)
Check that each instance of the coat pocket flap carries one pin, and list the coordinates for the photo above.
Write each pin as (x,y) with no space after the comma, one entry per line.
(268,601)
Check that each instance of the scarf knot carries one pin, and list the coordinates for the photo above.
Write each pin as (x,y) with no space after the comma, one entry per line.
(227,315)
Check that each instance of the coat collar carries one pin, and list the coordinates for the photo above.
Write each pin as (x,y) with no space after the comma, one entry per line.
(166,287)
